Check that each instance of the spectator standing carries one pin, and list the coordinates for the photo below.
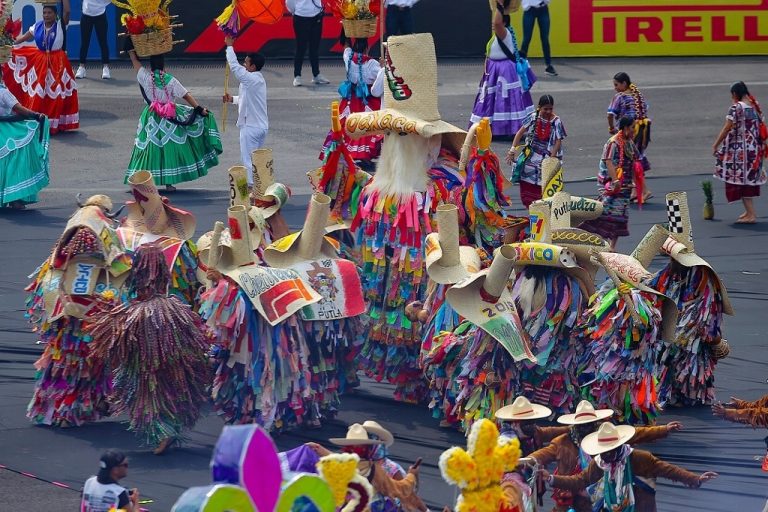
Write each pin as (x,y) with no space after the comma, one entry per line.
(537,11)
(251,103)
(102,493)
(94,17)
(399,21)
(308,27)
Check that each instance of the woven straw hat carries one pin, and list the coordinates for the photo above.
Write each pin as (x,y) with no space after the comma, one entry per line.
(308,244)
(151,213)
(607,438)
(447,262)
(585,413)
(650,245)
(680,246)
(383,434)
(522,409)
(263,170)
(484,300)
(410,94)
(552,180)
(357,435)
(238,195)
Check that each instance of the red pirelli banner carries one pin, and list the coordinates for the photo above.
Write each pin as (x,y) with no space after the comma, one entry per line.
(583,28)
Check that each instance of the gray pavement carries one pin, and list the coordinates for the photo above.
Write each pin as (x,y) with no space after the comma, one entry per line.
(686,120)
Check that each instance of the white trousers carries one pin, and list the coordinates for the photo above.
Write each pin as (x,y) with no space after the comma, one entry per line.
(251,138)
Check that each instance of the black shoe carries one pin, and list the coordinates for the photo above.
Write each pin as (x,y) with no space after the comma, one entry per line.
(550,70)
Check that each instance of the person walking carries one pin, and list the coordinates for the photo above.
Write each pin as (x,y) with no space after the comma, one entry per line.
(251,103)
(102,493)
(740,149)
(308,27)
(94,17)
(537,11)
(399,21)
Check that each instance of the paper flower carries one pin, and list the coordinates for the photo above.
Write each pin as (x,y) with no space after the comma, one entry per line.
(338,470)
(477,471)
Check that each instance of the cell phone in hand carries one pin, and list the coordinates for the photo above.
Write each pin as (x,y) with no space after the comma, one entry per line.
(417,463)
(130,492)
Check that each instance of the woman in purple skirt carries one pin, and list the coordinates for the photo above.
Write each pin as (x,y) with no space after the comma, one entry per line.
(504,95)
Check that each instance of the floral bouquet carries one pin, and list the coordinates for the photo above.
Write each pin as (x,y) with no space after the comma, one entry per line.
(357,16)
(148,24)
(9,30)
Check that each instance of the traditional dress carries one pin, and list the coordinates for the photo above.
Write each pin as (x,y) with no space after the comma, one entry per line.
(360,92)
(504,95)
(631,103)
(41,78)
(542,134)
(174,142)
(614,222)
(740,158)
(24,155)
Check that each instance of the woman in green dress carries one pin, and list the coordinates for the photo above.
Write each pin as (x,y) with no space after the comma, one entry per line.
(176,143)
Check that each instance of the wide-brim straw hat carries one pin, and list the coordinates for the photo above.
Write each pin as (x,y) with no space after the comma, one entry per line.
(522,409)
(484,299)
(446,261)
(410,95)
(93,218)
(308,244)
(585,413)
(239,195)
(356,436)
(608,437)
(383,434)
(151,213)
(680,246)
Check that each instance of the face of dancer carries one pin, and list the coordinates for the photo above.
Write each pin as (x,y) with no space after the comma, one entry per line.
(546,111)
(525,428)
(49,16)
(627,131)
(585,429)
(612,456)
(620,86)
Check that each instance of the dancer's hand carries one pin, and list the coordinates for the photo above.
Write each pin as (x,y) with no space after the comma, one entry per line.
(414,470)
(321,451)
(511,156)
(718,410)
(229,40)
(674,426)
(707,476)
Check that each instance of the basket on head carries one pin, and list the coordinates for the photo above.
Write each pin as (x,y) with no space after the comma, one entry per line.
(359,28)
(153,43)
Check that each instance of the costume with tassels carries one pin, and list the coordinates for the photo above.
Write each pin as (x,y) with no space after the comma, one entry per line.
(157,347)
(395,208)
(71,384)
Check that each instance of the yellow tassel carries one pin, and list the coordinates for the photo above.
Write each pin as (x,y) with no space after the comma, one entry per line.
(226,15)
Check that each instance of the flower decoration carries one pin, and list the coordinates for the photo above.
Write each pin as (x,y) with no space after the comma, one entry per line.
(145,15)
(477,471)
(354,9)
(339,470)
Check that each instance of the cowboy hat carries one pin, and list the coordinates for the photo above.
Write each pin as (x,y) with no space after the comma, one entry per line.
(585,413)
(410,94)
(522,409)
(383,434)
(308,244)
(357,435)
(446,261)
(151,213)
(679,245)
(484,300)
(607,438)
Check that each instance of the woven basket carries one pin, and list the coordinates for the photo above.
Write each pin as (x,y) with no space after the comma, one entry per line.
(153,43)
(5,54)
(721,350)
(359,28)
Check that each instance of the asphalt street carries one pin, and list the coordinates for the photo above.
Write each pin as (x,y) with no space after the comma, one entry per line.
(689,98)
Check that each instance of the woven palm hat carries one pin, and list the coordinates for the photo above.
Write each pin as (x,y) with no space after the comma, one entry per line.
(608,437)
(446,261)
(522,409)
(357,435)
(585,413)
(151,213)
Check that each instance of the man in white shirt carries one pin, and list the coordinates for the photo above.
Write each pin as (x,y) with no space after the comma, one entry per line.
(251,103)
(399,20)
(94,16)
(537,11)
(308,27)
(102,493)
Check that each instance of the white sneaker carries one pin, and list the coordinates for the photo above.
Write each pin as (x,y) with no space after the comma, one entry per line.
(320,80)
(80,72)
(105,74)
(297,81)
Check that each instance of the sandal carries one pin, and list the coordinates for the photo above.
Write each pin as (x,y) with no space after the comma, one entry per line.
(170,188)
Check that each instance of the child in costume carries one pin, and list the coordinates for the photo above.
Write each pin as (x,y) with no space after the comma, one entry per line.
(174,142)
(41,76)
(24,159)
(503,94)
(156,345)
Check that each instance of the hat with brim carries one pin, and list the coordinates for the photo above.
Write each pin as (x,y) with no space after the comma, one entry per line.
(93,218)
(410,95)
(680,247)
(383,434)
(484,299)
(585,413)
(151,213)
(274,198)
(552,180)
(522,409)
(357,435)
(608,437)
(308,244)
(203,245)
(446,261)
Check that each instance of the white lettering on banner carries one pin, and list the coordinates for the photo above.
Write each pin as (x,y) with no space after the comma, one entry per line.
(258,282)
(84,275)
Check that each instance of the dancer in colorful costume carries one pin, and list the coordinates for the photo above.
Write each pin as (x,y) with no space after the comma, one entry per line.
(41,77)
(394,216)
(156,345)
(24,157)
(71,385)
(688,360)
(503,94)
(174,142)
